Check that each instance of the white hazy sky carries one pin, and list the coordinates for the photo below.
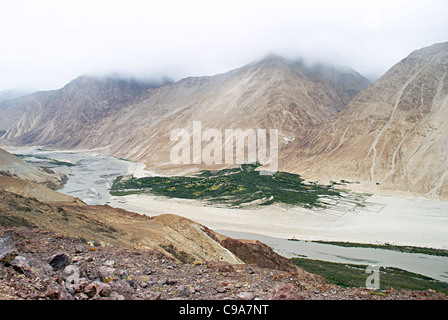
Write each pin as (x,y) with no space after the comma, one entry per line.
(44,44)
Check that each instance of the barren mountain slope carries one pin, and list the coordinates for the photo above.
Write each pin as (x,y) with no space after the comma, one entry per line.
(29,189)
(104,225)
(63,118)
(273,93)
(347,81)
(393,135)
(41,265)
(10,165)
(131,122)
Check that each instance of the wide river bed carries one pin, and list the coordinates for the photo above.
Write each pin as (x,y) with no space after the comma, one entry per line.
(384,219)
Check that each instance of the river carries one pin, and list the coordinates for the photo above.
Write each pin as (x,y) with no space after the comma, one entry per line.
(435,267)
(90,174)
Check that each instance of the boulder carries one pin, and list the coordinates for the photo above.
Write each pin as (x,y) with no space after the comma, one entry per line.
(106,273)
(97,288)
(246,296)
(71,273)
(59,261)
(57,292)
(7,250)
(20,264)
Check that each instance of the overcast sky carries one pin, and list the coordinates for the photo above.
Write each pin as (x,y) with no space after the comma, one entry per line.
(45,44)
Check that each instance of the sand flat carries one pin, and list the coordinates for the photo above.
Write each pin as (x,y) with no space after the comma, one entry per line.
(385,219)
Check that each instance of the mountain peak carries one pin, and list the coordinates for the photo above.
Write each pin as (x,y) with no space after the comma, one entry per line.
(431,50)
(272,59)
(115,79)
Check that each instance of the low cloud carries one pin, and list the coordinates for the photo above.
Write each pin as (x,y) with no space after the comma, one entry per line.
(45,44)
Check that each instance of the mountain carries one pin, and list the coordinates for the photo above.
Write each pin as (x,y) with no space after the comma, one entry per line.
(11,94)
(332,124)
(132,120)
(271,93)
(62,117)
(393,135)
(346,80)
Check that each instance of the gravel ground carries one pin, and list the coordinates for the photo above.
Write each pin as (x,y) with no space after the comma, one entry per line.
(39,265)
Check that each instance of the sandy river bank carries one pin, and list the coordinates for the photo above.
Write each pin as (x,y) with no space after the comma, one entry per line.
(385,219)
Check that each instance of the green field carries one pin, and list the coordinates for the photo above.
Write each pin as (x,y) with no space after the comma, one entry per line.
(350,275)
(43,161)
(235,187)
(388,246)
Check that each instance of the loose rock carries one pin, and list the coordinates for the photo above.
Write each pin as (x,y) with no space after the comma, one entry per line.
(59,261)
(286,292)
(113,273)
(7,250)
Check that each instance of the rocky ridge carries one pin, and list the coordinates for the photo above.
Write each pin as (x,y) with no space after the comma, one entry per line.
(181,239)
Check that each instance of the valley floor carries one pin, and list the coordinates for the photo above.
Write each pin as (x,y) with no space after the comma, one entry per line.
(393,219)
(384,219)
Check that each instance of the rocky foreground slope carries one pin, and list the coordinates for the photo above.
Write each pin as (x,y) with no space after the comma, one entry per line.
(41,265)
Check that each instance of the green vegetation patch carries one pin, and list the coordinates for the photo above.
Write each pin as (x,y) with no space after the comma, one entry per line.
(235,187)
(388,246)
(43,161)
(355,276)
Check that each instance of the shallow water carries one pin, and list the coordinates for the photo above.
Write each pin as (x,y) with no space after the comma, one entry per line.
(90,176)
(432,266)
